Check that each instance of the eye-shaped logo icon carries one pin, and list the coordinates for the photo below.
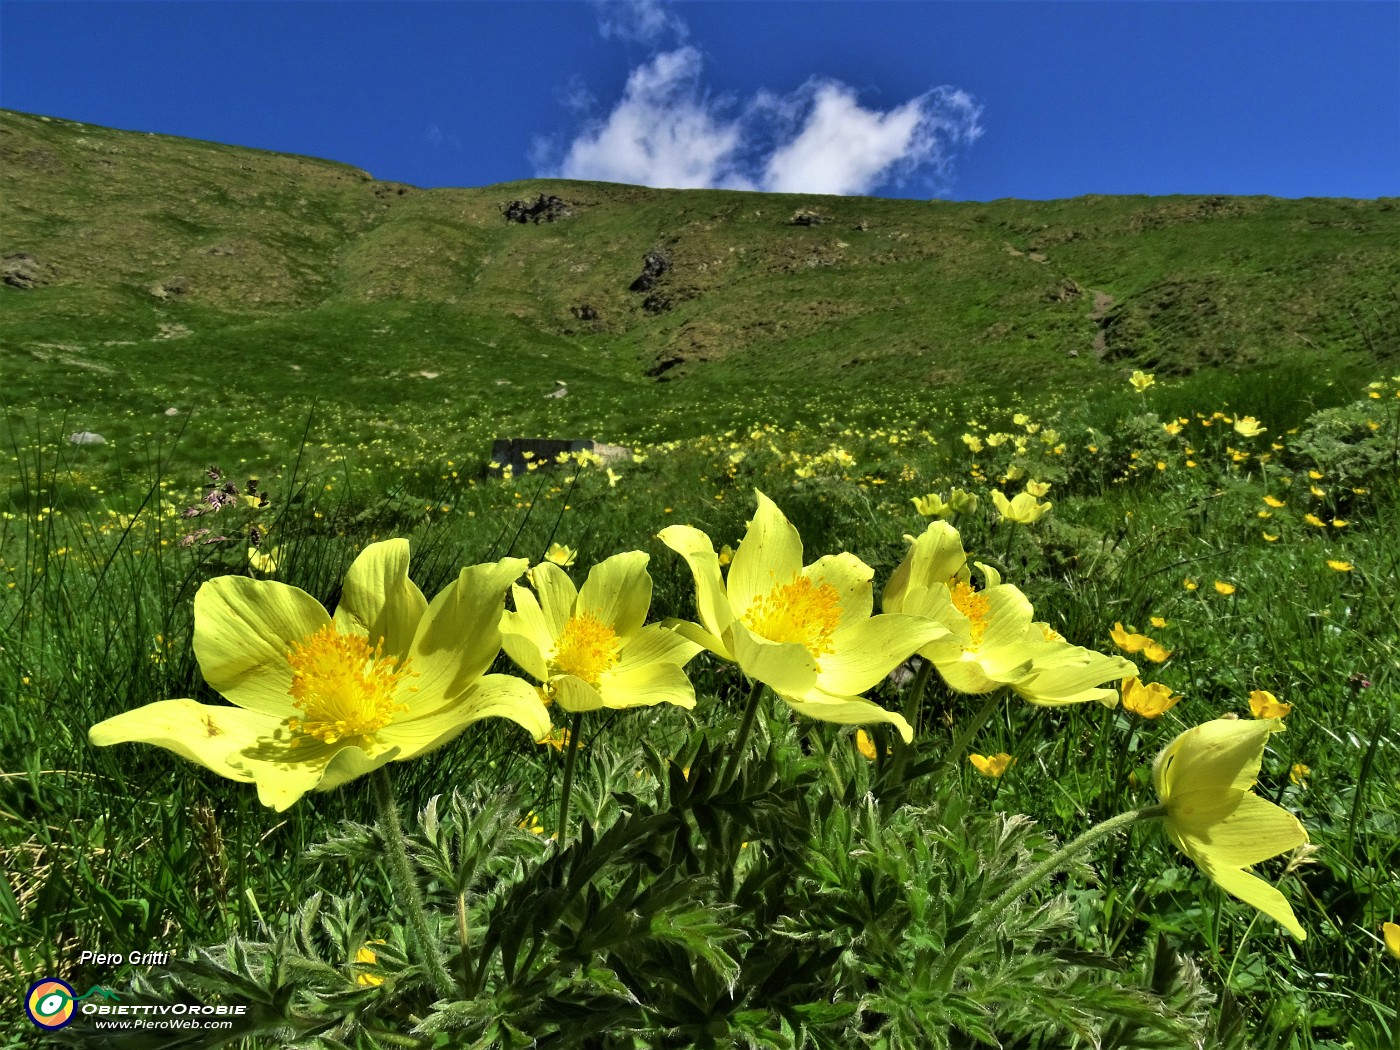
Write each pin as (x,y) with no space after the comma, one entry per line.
(49,1003)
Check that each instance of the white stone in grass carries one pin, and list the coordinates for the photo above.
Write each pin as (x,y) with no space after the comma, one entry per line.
(87,437)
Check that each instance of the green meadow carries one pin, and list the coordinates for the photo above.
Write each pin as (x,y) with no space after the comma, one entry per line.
(328,359)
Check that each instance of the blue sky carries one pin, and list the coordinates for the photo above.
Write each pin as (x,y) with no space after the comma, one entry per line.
(968,101)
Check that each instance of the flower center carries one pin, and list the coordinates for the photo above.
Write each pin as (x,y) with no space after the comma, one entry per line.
(586,648)
(974,605)
(800,612)
(342,686)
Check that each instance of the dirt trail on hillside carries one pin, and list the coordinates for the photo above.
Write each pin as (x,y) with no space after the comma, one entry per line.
(1103,302)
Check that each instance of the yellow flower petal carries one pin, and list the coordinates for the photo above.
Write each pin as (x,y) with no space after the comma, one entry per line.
(378,600)
(788,667)
(1148,700)
(1253,891)
(1391,933)
(525,634)
(490,696)
(769,554)
(868,650)
(618,593)
(1077,676)
(711,601)
(202,733)
(991,766)
(647,684)
(1263,704)
(848,710)
(1203,778)
(460,636)
(243,630)
(557,595)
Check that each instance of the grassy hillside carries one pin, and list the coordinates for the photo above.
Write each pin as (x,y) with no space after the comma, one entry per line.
(173,273)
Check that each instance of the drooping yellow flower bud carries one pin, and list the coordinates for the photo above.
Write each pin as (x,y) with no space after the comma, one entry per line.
(1024,509)
(1204,777)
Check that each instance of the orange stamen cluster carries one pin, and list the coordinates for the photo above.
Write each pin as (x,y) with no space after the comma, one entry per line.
(586,648)
(800,612)
(974,605)
(343,687)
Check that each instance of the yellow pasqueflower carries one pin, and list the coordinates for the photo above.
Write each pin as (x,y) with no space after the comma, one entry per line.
(973,442)
(1248,427)
(1141,380)
(807,632)
(1340,566)
(1148,700)
(1274,502)
(932,506)
(992,765)
(1203,777)
(962,502)
(1221,587)
(1024,509)
(265,560)
(589,647)
(993,638)
(1037,489)
(324,699)
(1263,704)
(1390,932)
(560,555)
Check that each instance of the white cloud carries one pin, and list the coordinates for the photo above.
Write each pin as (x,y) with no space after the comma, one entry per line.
(639,21)
(843,148)
(663,132)
(666,131)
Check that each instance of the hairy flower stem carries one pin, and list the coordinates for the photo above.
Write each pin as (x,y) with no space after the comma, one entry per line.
(996,911)
(407,882)
(731,765)
(914,702)
(570,761)
(464,939)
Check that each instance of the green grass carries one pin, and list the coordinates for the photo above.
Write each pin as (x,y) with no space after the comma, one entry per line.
(128,847)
